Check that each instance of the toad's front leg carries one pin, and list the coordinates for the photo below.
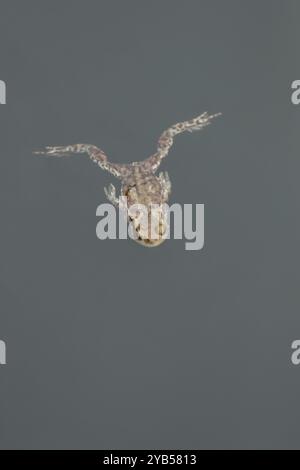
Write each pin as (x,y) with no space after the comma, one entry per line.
(110,193)
(119,202)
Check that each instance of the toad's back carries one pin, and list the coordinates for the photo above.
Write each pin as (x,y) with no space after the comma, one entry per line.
(142,187)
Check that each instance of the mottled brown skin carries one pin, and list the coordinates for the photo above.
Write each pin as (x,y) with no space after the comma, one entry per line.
(143,188)
(138,180)
(146,189)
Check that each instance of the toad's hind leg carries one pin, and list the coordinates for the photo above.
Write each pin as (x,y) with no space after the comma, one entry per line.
(95,154)
(166,139)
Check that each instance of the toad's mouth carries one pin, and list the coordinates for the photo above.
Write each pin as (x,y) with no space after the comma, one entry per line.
(148,242)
